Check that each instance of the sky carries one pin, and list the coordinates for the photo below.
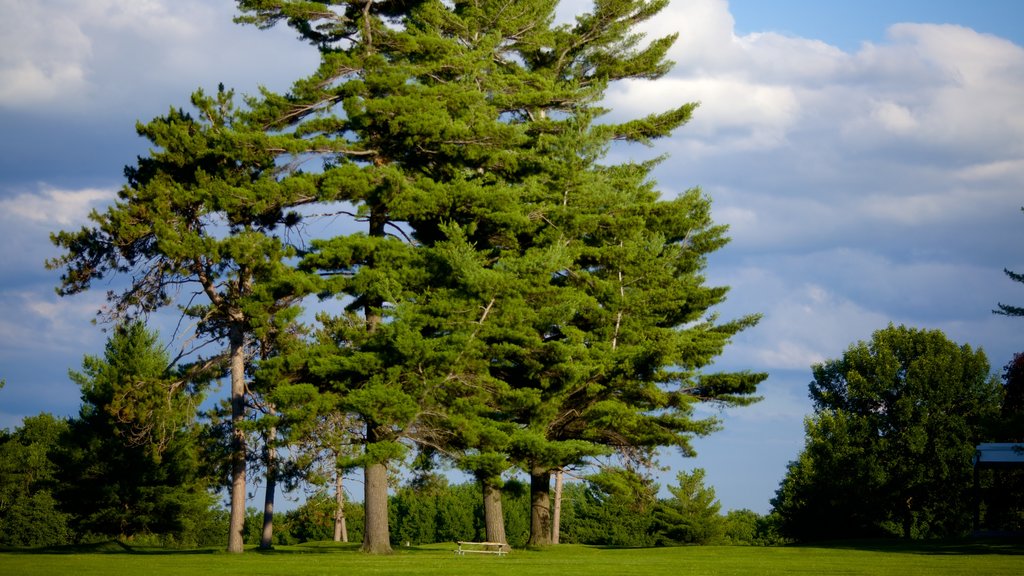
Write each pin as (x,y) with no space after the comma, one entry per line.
(868,156)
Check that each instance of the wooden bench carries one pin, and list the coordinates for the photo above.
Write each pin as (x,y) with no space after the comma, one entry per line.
(482,548)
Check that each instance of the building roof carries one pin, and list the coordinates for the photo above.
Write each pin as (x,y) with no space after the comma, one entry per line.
(1001,453)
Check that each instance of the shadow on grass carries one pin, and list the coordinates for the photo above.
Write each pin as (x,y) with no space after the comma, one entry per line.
(118,547)
(1007,546)
(106,547)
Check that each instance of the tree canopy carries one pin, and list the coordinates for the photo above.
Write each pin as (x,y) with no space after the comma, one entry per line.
(889,447)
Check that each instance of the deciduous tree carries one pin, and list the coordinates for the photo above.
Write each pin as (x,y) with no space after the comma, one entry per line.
(29,513)
(889,448)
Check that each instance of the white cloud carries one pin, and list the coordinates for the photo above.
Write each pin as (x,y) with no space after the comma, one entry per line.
(36,321)
(54,207)
(45,52)
(84,55)
(894,118)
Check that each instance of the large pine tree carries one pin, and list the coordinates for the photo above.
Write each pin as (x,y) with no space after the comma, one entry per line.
(205,210)
(499,254)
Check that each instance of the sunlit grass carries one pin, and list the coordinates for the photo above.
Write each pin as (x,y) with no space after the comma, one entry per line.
(967,558)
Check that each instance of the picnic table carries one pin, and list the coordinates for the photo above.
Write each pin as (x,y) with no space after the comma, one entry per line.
(499,548)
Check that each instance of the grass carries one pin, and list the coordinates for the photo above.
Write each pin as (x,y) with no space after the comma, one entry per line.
(969,558)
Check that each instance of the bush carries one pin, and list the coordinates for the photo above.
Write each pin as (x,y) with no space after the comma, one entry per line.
(34,522)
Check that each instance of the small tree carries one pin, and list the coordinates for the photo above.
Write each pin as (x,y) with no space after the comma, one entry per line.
(614,508)
(889,448)
(691,515)
(131,463)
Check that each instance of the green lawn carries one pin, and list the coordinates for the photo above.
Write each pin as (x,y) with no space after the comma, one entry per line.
(969,558)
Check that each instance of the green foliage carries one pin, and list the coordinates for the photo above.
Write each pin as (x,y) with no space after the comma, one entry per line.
(748,528)
(1010,424)
(691,515)
(515,504)
(130,464)
(436,512)
(889,448)
(313,521)
(1008,309)
(613,508)
(204,208)
(29,514)
(34,521)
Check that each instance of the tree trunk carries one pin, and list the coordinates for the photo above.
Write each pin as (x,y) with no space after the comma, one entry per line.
(340,529)
(494,518)
(236,526)
(376,537)
(556,515)
(540,507)
(908,519)
(267,538)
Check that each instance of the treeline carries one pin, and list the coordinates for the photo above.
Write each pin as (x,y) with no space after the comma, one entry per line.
(38,508)
(142,462)
(889,453)
(434,511)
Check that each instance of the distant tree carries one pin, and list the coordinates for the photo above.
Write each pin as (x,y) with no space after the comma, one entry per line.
(131,462)
(1004,496)
(1007,309)
(1011,427)
(889,447)
(313,521)
(29,513)
(691,515)
(612,508)
(748,528)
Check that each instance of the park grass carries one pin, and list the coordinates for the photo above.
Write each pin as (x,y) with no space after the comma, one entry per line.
(968,558)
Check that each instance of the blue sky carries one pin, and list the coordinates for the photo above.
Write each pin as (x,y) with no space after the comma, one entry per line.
(867,155)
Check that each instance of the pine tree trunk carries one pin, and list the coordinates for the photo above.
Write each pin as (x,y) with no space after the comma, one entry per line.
(540,507)
(340,529)
(494,518)
(376,537)
(267,537)
(236,526)
(556,515)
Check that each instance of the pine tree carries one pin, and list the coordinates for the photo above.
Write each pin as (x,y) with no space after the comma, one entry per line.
(499,254)
(206,210)
(130,463)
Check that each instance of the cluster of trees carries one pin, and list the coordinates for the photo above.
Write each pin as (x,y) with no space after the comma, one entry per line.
(130,463)
(890,446)
(50,499)
(495,295)
(498,297)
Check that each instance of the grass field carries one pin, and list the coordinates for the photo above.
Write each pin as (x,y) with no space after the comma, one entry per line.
(973,558)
